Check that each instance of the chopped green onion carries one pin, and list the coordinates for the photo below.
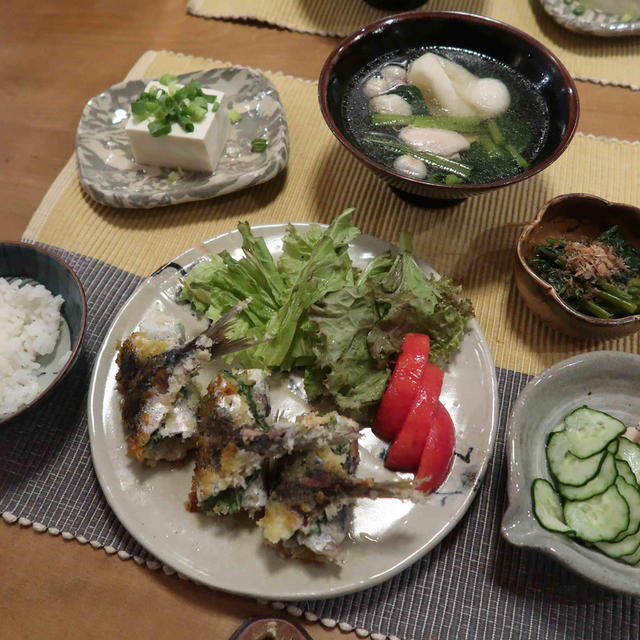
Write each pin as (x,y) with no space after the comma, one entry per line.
(196,112)
(234,116)
(258,145)
(201,101)
(579,10)
(185,123)
(452,179)
(139,110)
(184,105)
(173,176)
(159,128)
(167,79)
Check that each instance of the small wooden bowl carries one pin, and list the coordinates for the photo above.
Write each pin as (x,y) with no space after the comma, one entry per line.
(574,216)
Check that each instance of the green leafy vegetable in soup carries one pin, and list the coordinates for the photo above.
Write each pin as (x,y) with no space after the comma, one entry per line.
(315,311)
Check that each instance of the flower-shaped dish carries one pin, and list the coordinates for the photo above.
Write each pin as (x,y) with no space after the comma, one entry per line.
(604,380)
(33,264)
(578,16)
(573,216)
(109,174)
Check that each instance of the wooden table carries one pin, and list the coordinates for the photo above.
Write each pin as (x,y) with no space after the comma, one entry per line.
(54,56)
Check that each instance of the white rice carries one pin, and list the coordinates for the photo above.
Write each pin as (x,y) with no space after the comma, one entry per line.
(29,327)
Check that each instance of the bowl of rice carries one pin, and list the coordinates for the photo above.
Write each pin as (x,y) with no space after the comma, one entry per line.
(43,315)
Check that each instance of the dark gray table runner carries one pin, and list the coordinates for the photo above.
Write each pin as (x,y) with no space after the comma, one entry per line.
(473,586)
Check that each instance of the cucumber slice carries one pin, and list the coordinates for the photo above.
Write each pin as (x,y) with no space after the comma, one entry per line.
(632,495)
(612,447)
(600,518)
(630,452)
(602,481)
(634,558)
(567,468)
(547,507)
(624,470)
(589,431)
(625,547)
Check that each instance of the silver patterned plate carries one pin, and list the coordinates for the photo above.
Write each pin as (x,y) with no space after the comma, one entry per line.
(109,174)
(386,536)
(608,18)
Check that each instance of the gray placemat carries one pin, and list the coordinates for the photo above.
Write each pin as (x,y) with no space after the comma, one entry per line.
(473,586)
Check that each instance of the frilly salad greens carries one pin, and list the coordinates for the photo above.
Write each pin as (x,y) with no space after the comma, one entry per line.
(312,309)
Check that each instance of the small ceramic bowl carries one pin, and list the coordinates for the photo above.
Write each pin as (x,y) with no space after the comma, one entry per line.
(485,36)
(19,260)
(604,380)
(573,216)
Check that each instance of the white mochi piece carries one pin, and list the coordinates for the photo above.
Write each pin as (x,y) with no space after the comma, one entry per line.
(437,89)
(489,97)
(450,89)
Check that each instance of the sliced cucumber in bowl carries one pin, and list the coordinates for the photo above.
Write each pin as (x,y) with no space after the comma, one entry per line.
(568,468)
(547,507)
(590,431)
(605,477)
(599,518)
(594,498)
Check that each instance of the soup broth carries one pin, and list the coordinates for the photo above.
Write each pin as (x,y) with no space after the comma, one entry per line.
(494,147)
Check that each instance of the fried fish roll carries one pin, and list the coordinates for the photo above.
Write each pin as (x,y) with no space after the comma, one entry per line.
(238,441)
(155,378)
(310,502)
(233,439)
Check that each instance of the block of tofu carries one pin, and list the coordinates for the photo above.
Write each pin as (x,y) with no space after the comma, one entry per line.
(199,150)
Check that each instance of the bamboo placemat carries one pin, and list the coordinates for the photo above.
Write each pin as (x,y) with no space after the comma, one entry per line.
(472,242)
(603,60)
(473,584)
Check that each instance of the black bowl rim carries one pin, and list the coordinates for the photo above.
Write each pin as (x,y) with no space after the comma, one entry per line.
(75,351)
(334,56)
(549,291)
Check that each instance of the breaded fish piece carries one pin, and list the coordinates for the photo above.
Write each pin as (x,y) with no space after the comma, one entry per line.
(310,501)
(237,441)
(159,399)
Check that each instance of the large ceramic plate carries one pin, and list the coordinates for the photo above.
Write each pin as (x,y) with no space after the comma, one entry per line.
(109,174)
(596,17)
(386,535)
(605,380)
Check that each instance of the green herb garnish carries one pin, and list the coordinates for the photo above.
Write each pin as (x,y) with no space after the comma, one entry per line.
(258,145)
(183,105)
(234,116)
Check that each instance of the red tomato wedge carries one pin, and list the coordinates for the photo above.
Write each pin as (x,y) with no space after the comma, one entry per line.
(437,454)
(404,454)
(403,385)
